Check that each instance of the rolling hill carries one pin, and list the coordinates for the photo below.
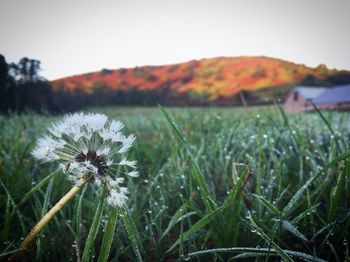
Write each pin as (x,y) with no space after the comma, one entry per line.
(207,79)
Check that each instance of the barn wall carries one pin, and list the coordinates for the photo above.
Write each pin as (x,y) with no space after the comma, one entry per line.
(297,106)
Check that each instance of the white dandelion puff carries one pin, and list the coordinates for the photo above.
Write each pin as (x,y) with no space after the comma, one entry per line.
(116,182)
(89,146)
(127,143)
(116,126)
(118,198)
(133,173)
(46,147)
(129,163)
(103,151)
(109,162)
(95,121)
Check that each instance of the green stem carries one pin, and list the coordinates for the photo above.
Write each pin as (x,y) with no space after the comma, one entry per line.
(87,254)
(108,236)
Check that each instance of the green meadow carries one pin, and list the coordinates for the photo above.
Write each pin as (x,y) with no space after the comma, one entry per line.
(215,184)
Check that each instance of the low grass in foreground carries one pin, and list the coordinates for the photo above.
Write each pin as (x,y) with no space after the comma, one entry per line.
(215,184)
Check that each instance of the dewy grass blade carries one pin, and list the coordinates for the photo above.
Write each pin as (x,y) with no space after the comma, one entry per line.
(15,207)
(78,215)
(43,212)
(336,195)
(305,213)
(133,234)
(37,187)
(269,241)
(175,218)
(6,222)
(273,209)
(196,227)
(343,143)
(7,253)
(323,118)
(197,175)
(292,229)
(88,250)
(108,236)
(290,207)
(258,251)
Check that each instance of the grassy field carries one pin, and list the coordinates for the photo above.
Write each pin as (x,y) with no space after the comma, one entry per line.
(215,184)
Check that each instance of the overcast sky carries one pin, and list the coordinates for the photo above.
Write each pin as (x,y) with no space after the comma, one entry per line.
(74,36)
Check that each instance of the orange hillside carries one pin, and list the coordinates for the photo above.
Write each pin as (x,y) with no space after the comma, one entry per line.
(215,77)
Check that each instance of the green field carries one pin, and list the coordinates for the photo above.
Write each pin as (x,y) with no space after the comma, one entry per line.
(254,186)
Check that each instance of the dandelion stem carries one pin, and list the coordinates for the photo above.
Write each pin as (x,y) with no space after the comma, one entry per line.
(46,219)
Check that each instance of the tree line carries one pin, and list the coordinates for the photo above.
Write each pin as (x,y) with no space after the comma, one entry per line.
(22,88)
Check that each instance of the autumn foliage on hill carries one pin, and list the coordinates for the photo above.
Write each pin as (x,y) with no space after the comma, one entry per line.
(207,78)
(217,81)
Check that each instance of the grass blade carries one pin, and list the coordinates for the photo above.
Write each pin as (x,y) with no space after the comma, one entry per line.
(269,241)
(336,195)
(273,209)
(88,250)
(108,236)
(37,187)
(292,229)
(258,251)
(78,215)
(43,212)
(175,218)
(196,227)
(198,176)
(133,234)
(290,207)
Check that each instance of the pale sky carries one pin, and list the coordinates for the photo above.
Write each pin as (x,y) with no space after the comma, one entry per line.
(74,36)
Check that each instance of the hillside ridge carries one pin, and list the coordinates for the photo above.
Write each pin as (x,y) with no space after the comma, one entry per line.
(212,78)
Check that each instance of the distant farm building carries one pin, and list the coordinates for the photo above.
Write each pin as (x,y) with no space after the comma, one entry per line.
(300,98)
(334,98)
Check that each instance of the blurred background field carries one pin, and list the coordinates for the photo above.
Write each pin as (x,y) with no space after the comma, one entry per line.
(273,178)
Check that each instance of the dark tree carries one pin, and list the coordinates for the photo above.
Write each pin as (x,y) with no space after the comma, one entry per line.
(5,82)
(26,71)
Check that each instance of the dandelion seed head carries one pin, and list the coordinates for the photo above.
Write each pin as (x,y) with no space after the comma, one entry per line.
(133,173)
(118,198)
(127,143)
(126,162)
(89,146)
